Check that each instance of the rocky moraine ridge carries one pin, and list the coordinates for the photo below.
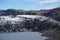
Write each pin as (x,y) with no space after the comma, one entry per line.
(22,23)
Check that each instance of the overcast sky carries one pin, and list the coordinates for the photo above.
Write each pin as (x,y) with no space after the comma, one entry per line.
(29,4)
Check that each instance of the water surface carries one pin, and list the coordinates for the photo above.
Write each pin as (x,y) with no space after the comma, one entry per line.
(22,36)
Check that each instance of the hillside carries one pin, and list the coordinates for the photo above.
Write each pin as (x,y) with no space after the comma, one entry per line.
(21,12)
(54,13)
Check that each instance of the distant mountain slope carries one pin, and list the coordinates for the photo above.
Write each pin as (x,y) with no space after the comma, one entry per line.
(54,13)
(21,12)
(15,12)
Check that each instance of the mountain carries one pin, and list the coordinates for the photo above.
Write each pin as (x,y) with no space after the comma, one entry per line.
(15,12)
(53,13)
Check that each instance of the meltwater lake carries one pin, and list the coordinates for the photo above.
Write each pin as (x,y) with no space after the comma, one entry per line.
(22,36)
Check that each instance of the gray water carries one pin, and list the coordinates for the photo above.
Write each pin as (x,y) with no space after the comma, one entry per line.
(22,36)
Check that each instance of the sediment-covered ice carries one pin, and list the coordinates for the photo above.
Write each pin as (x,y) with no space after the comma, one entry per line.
(20,18)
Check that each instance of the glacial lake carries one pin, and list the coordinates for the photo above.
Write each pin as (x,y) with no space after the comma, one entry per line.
(22,36)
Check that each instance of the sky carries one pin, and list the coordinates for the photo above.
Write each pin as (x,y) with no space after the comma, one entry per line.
(29,4)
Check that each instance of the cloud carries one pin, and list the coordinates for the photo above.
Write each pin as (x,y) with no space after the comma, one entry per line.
(42,4)
(48,1)
(42,1)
